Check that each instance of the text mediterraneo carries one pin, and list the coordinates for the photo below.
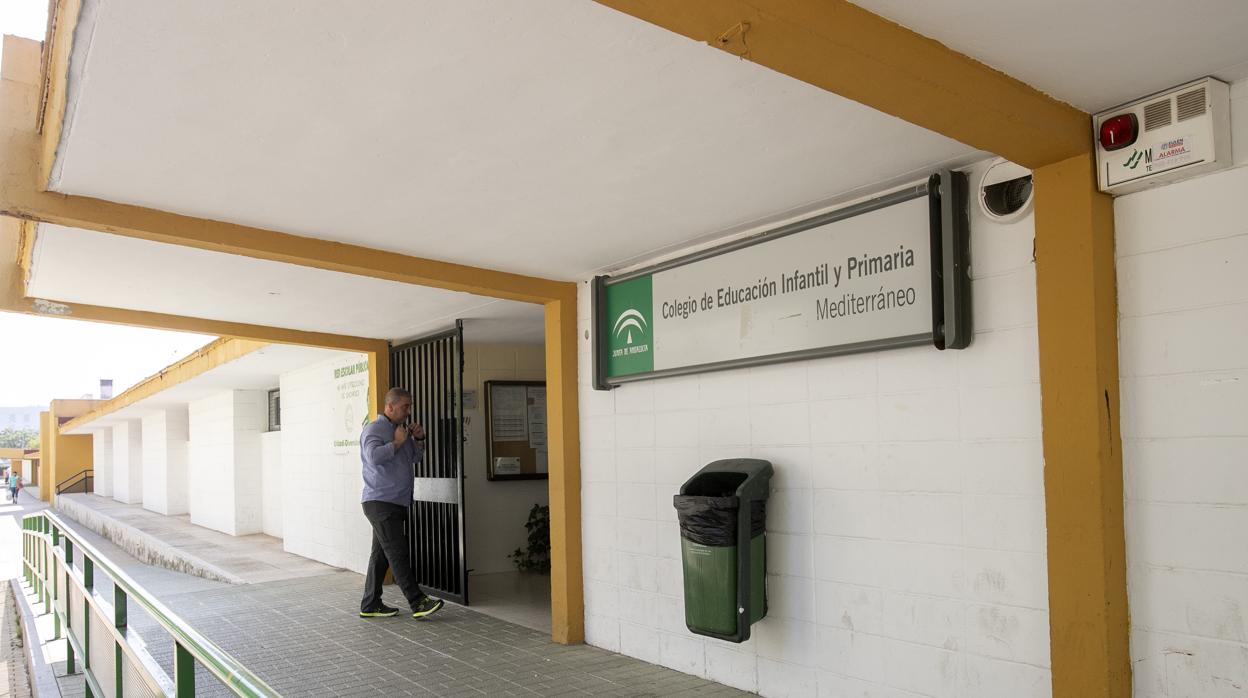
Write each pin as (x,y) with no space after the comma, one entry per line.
(822,275)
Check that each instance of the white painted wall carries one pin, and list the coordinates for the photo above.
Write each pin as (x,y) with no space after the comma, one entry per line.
(225,460)
(102,458)
(906,527)
(210,469)
(496,511)
(156,463)
(1183,354)
(321,514)
(165,478)
(251,419)
(128,462)
(272,483)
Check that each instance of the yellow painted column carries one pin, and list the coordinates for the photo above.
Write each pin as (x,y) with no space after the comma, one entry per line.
(1078,319)
(378,378)
(45,456)
(567,595)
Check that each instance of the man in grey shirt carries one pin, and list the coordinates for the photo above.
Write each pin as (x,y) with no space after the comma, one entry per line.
(388,448)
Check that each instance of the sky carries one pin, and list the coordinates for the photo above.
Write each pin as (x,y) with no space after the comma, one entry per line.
(51,358)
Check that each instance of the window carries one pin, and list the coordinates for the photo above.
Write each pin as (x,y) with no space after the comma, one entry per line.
(275,410)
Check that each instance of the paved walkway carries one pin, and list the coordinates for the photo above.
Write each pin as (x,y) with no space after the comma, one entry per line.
(303,637)
(14,679)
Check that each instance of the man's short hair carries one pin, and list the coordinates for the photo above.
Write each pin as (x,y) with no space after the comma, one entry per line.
(394,395)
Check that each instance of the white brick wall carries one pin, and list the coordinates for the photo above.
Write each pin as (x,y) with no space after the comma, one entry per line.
(224,463)
(251,419)
(1183,355)
(272,482)
(165,461)
(321,514)
(156,463)
(496,510)
(906,526)
(102,459)
(128,462)
(211,471)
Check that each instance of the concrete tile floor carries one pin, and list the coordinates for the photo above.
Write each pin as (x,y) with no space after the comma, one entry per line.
(303,636)
(517,597)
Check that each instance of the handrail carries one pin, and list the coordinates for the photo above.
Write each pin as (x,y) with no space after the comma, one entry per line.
(47,527)
(74,480)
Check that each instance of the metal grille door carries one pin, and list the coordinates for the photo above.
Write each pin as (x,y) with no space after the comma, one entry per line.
(433,370)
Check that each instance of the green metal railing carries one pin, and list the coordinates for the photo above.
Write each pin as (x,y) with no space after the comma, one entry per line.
(114,659)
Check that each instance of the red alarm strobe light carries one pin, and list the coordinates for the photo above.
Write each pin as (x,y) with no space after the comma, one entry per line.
(1119,131)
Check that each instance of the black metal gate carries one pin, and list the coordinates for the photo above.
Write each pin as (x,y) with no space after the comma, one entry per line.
(432,368)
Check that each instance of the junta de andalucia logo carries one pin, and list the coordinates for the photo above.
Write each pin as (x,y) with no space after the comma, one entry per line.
(631,345)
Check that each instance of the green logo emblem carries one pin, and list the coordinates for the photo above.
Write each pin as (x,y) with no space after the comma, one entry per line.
(630,339)
(1138,155)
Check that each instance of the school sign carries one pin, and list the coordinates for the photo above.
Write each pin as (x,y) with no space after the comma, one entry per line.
(889,272)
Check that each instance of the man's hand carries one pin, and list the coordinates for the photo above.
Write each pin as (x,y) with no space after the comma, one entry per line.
(400,435)
(417,432)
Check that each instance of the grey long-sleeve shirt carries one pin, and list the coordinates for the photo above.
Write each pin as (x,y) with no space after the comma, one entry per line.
(387,472)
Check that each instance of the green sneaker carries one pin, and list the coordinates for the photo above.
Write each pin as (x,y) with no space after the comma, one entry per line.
(427,607)
(382,611)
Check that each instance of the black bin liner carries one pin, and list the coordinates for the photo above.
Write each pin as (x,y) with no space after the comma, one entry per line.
(713,520)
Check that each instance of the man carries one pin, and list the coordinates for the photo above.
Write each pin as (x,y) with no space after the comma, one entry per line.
(388,448)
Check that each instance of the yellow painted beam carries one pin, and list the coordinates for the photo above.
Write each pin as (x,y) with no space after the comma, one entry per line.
(208,357)
(1077,311)
(13,299)
(567,607)
(22,195)
(861,56)
(54,81)
(25,251)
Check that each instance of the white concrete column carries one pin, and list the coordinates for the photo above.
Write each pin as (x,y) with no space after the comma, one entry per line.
(102,457)
(272,482)
(128,462)
(165,461)
(225,461)
(251,419)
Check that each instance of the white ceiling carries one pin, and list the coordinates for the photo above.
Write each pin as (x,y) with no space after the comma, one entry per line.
(258,370)
(553,138)
(1094,54)
(76,266)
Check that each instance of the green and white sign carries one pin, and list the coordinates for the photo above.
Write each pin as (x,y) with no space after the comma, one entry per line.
(855,280)
(630,346)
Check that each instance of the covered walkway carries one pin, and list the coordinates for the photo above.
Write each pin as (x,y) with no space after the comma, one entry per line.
(301,634)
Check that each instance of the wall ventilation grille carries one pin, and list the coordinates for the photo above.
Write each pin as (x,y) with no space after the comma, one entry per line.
(1191,104)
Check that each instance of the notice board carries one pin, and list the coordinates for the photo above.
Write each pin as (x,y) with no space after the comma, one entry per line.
(515,423)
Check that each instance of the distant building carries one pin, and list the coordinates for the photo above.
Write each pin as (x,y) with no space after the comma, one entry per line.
(20,417)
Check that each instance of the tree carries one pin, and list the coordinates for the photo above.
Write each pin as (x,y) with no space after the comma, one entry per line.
(19,438)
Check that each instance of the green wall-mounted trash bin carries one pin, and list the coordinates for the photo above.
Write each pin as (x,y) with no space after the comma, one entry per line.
(723,512)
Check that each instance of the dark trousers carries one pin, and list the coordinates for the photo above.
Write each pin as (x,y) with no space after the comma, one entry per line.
(390,549)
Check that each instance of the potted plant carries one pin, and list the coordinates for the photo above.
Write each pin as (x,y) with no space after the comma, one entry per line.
(535,556)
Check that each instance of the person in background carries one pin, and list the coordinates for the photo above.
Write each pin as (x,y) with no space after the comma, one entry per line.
(388,449)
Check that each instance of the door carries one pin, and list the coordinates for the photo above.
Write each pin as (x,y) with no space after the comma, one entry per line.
(432,368)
